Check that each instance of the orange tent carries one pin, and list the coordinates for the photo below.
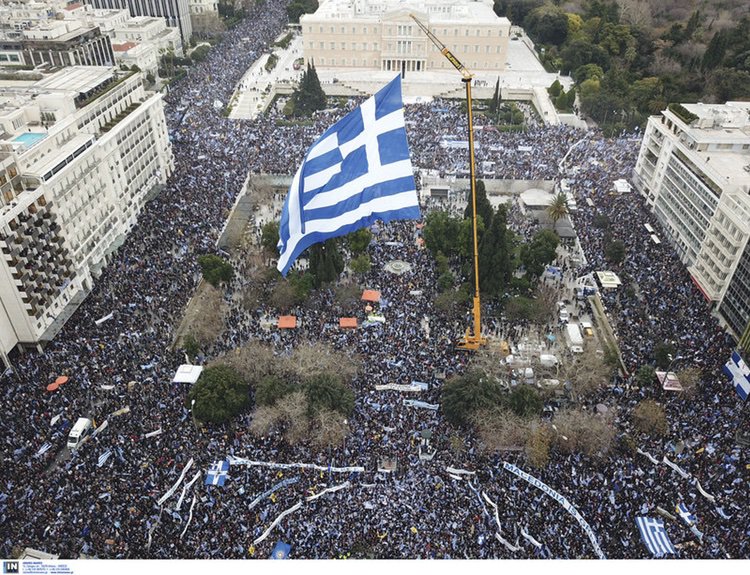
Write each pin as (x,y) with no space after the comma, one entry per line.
(371,295)
(61,380)
(346,322)
(287,322)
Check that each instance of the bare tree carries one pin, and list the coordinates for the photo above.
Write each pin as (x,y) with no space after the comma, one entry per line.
(587,372)
(328,429)
(636,12)
(293,413)
(265,420)
(204,318)
(690,379)
(500,430)
(649,417)
(538,444)
(321,359)
(583,432)
(252,361)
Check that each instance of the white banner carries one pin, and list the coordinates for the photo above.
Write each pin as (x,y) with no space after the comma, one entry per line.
(684,474)
(456,471)
(561,500)
(55,419)
(530,539)
(101,428)
(153,433)
(268,492)
(397,387)
(708,496)
(185,490)
(651,457)
(329,490)
(101,320)
(241,461)
(276,522)
(172,489)
(421,404)
(190,517)
(508,546)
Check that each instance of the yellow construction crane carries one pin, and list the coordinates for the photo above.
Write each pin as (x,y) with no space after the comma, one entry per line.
(470,340)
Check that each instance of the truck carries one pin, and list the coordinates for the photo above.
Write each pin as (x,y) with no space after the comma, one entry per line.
(574,337)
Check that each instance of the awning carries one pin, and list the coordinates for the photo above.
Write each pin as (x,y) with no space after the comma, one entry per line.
(61,380)
(186,373)
(53,386)
(287,322)
(371,295)
(348,322)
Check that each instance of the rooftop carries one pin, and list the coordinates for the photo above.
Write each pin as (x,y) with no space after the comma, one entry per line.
(477,11)
(79,79)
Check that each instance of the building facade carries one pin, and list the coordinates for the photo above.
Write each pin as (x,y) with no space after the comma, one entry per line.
(693,169)
(380,35)
(175,12)
(80,153)
(57,43)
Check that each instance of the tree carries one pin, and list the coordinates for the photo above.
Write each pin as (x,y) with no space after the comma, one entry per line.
(215,269)
(190,345)
(614,251)
(464,395)
(445,281)
(524,401)
(484,207)
(361,264)
(664,353)
(328,392)
(555,89)
(299,7)
(547,24)
(587,373)
(538,445)
(588,72)
(219,394)
(495,255)
(645,376)
(519,309)
(326,263)
(272,388)
(717,49)
(649,418)
(270,236)
(309,95)
(558,208)
(358,241)
(690,380)
(539,252)
(601,222)
(440,234)
(495,102)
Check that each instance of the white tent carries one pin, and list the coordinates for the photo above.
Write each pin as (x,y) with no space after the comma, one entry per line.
(187,373)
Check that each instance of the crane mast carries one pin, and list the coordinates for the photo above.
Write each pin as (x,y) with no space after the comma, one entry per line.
(470,340)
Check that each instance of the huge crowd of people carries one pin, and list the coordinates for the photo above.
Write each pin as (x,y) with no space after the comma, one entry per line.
(70,505)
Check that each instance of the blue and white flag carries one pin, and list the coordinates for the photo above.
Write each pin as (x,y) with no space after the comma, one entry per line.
(217,473)
(357,172)
(103,457)
(736,369)
(654,536)
(685,514)
(281,550)
(43,449)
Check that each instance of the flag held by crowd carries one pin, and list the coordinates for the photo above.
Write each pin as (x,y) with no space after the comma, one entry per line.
(217,473)
(685,514)
(104,457)
(357,172)
(281,550)
(736,369)
(655,536)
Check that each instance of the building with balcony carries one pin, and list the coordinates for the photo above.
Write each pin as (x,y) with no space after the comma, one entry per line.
(56,43)
(380,35)
(80,152)
(693,169)
(175,12)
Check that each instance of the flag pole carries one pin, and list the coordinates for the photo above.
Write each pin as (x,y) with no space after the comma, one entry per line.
(469,340)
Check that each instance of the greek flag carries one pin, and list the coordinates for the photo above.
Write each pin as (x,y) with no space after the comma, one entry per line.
(217,473)
(736,369)
(357,172)
(103,457)
(685,514)
(654,536)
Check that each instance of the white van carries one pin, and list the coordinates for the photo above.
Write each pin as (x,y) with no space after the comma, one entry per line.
(79,432)
(548,360)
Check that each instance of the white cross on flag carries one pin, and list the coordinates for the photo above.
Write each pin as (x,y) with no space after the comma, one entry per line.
(217,473)
(736,369)
(357,172)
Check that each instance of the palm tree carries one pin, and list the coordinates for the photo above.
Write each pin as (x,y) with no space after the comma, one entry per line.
(558,208)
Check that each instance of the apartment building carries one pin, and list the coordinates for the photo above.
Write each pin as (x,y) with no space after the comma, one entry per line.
(693,169)
(380,35)
(80,152)
(175,12)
